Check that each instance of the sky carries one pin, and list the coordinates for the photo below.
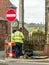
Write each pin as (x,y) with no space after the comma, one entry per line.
(34,10)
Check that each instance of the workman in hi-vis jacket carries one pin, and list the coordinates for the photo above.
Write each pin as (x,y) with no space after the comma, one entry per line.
(19,40)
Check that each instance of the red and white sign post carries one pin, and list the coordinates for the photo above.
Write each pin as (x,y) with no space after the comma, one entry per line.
(11,16)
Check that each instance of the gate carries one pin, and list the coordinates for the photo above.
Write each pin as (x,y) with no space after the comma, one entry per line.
(38,42)
(35,43)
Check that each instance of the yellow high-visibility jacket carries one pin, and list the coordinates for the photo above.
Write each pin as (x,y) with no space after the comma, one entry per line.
(19,37)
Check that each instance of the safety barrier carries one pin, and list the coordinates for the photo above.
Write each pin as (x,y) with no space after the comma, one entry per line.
(10,49)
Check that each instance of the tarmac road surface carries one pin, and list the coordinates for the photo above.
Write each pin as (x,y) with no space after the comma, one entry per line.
(6,62)
(2,54)
(21,63)
(3,63)
(34,63)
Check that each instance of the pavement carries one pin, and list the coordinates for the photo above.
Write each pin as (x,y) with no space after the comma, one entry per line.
(3,63)
(23,60)
(37,59)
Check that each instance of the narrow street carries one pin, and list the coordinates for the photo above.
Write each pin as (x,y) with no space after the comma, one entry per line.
(4,61)
(17,63)
(24,32)
(34,63)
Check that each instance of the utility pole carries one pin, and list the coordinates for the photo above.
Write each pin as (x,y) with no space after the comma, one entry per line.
(21,13)
(46,48)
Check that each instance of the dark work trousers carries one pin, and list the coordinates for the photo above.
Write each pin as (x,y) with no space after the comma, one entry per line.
(18,49)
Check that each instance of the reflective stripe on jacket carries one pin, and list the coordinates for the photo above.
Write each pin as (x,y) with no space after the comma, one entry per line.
(19,37)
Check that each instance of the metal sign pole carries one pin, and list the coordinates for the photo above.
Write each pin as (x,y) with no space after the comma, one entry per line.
(11,28)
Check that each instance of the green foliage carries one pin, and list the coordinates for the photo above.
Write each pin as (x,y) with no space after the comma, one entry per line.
(38,32)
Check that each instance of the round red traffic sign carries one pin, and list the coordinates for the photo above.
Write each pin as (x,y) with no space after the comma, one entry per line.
(11,15)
